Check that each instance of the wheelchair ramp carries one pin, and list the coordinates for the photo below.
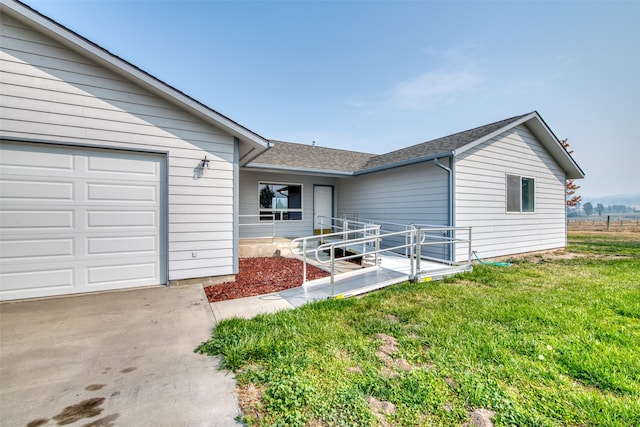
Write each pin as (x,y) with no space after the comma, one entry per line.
(384,257)
(393,269)
(345,285)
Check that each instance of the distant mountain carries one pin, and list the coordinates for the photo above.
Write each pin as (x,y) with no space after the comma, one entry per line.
(616,199)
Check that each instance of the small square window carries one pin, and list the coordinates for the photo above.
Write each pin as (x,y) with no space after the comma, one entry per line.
(521,194)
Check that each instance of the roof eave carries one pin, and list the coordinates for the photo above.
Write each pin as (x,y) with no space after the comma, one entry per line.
(297,170)
(402,163)
(552,143)
(76,42)
(495,133)
(540,129)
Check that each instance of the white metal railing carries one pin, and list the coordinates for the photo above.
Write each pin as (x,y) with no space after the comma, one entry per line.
(303,246)
(353,222)
(341,224)
(389,227)
(331,247)
(266,222)
(419,241)
(446,238)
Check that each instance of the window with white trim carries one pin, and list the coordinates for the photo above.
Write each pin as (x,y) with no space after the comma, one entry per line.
(521,194)
(283,201)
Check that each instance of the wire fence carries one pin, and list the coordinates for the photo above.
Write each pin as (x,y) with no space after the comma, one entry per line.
(604,224)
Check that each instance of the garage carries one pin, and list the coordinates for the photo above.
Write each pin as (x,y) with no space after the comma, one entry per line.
(75,220)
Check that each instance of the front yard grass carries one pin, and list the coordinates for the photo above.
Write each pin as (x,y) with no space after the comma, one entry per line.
(553,340)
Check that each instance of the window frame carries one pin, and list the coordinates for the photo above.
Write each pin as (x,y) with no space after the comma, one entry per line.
(280,213)
(521,194)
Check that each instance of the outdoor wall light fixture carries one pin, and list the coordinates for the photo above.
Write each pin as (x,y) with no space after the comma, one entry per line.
(204,163)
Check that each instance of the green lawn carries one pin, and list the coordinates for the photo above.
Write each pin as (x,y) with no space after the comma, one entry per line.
(552,340)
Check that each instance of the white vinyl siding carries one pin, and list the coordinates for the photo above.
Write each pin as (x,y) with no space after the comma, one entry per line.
(480,195)
(249,203)
(53,94)
(414,194)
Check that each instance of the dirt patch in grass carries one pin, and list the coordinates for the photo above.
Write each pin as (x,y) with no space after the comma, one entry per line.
(546,256)
(259,276)
(388,347)
(480,418)
(250,401)
(380,409)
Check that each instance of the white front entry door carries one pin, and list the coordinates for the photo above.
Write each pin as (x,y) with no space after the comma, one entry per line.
(76,220)
(322,208)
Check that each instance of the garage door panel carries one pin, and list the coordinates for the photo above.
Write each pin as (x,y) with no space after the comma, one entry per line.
(122,245)
(46,158)
(36,248)
(119,193)
(77,220)
(42,190)
(30,220)
(120,219)
(123,274)
(99,163)
(58,280)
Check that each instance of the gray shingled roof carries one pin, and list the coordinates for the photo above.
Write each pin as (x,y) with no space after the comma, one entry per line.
(301,156)
(440,145)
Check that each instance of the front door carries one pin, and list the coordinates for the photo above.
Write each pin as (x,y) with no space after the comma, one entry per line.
(322,208)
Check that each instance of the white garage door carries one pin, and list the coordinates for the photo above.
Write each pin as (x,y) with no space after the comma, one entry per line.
(79,220)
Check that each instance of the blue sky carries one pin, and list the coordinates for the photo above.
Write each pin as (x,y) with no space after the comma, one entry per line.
(376,76)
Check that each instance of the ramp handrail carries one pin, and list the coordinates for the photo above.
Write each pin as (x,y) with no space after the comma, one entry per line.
(417,237)
(336,224)
(375,221)
(449,239)
(295,243)
(331,246)
(385,226)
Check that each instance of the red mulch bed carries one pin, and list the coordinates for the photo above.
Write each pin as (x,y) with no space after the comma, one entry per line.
(258,276)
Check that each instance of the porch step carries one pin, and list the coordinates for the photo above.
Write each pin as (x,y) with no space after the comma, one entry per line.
(266,247)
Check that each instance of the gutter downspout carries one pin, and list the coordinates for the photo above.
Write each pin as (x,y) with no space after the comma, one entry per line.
(450,199)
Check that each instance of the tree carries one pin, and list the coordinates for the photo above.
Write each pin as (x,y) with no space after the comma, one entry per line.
(570,186)
(588,208)
(600,209)
(266,197)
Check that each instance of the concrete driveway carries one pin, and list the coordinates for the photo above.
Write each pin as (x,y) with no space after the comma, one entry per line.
(112,359)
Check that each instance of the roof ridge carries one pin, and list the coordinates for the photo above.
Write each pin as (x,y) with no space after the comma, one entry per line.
(514,118)
(306,156)
(444,144)
(275,141)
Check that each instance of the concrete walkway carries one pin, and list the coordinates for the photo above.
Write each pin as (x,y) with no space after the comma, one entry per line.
(351,283)
(351,280)
(246,308)
(112,359)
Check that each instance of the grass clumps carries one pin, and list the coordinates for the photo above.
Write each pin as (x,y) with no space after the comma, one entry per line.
(552,340)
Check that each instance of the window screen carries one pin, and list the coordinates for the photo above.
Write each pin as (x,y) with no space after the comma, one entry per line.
(520,194)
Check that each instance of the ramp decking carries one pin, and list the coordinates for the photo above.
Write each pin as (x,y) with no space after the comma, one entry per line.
(393,269)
